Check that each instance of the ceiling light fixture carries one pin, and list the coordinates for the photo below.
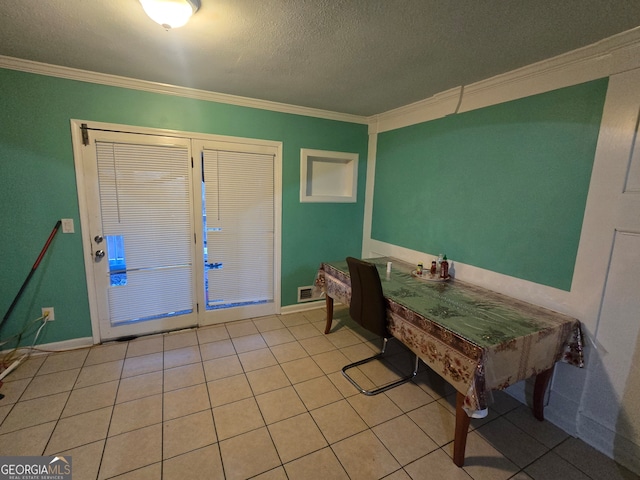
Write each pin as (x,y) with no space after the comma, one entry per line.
(170,13)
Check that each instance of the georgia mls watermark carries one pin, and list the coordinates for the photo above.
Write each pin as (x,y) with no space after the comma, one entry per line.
(35,468)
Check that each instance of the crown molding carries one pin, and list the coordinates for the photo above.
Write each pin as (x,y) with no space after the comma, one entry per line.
(39,68)
(607,57)
(440,105)
(610,56)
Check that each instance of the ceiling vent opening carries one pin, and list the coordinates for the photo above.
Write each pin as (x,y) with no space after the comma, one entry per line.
(308,294)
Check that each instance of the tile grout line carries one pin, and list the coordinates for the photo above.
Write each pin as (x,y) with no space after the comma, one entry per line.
(66,401)
(324,374)
(442,400)
(113,407)
(213,418)
(164,337)
(308,412)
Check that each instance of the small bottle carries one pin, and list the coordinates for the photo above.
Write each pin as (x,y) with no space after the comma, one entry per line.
(434,267)
(444,268)
(419,269)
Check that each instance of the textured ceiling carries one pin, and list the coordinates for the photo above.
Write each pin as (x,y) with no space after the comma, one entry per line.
(360,57)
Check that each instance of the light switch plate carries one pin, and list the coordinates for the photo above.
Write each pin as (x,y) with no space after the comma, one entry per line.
(67,225)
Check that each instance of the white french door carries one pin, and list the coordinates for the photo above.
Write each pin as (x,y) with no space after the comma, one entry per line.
(239,222)
(142,232)
(177,231)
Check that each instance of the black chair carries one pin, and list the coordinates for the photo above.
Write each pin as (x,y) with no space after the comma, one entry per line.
(369,309)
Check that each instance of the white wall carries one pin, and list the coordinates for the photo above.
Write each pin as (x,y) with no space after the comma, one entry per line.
(597,402)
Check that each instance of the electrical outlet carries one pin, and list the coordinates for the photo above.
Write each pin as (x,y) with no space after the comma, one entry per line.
(48,314)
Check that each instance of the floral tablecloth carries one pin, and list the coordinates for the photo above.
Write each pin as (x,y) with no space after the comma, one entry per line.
(476,339)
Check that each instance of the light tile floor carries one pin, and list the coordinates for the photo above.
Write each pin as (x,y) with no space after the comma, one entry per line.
(265,399)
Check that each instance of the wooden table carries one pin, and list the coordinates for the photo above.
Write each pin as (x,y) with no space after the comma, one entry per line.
(476,339)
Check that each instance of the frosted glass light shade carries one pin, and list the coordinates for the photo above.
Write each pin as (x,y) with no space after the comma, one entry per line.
(170,13)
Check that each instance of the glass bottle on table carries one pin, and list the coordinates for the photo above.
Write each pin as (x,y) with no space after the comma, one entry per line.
(444,268)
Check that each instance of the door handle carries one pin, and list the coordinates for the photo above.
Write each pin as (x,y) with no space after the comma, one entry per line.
(98,238)
(99,254)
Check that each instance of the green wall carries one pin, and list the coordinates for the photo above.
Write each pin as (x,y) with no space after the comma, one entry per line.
(503,188)
(37,186)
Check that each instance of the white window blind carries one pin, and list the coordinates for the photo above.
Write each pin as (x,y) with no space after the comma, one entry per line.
(146,198)
(240,227)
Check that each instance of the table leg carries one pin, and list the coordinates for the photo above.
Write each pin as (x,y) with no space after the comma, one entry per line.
(539,389)
(329,304)
(462,427)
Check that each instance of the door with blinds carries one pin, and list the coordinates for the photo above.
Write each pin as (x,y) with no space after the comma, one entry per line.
(239,224)
(177,231)
(140,206)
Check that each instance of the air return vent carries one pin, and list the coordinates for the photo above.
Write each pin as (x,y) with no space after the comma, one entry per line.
(307,294)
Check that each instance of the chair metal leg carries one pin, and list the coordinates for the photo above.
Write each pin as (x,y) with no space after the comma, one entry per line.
(383,388)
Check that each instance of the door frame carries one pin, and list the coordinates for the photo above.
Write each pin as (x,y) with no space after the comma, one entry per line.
(83,205)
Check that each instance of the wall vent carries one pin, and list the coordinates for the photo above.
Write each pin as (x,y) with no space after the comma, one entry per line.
(307,294)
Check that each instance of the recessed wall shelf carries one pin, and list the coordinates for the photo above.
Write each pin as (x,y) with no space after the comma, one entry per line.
(330,177)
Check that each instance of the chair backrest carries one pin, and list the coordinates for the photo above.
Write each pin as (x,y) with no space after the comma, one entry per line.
(368,306)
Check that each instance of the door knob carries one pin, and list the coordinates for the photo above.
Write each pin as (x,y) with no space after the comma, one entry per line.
(98,238)
(99,254)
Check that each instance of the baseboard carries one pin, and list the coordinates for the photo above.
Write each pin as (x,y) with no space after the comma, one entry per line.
(73,344)
(605,440)
(562,412)
(559,410)
(302,307)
